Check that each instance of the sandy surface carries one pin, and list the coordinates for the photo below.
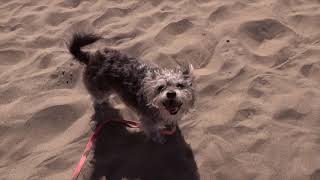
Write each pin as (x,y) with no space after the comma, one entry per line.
(258,73)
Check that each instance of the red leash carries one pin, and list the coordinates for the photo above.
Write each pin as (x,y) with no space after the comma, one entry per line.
(93,138)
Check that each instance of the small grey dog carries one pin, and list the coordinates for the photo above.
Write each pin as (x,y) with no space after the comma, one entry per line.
(159,96)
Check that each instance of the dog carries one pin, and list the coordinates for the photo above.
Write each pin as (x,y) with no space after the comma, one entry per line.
(160,96)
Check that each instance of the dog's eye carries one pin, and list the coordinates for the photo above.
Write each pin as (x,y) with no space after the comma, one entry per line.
(160,88)
(180,86)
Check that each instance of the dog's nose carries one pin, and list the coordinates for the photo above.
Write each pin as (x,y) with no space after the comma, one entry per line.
(171,94)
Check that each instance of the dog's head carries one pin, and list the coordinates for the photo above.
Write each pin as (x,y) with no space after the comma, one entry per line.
(171,91)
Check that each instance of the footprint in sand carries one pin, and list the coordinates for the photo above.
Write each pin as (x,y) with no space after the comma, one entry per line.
(311,71)
(246,110)
(56,18)
(11,56)
(9,94)
(109,16)
(288,114)
(266,36)
(225,11)
(305,23)
(168,33)
(52,120)
(45,60)
(42,42)
(70,3)
(258,86)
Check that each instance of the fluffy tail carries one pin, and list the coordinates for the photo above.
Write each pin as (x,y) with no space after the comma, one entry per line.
(79,40)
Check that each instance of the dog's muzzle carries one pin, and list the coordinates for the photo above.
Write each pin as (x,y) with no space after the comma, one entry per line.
(172,106)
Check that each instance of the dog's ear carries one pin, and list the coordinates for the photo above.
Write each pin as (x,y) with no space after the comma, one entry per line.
(187,71)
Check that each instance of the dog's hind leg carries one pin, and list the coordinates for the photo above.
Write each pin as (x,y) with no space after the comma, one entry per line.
(100,103)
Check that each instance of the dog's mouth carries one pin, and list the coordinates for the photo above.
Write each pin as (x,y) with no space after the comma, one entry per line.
(172,106)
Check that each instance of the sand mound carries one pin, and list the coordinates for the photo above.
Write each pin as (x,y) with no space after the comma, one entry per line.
(257,62)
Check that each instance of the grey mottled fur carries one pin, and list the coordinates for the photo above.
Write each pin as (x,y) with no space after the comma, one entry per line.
(159,96)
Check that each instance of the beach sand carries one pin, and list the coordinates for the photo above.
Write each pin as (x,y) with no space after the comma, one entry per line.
(257,64)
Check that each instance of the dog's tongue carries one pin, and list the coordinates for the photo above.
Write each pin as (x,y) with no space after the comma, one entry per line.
(173,110)
(172,106)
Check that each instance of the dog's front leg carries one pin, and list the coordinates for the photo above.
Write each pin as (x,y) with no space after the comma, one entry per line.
(152,130)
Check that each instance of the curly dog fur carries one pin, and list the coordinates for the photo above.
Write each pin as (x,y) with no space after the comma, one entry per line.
(160,96)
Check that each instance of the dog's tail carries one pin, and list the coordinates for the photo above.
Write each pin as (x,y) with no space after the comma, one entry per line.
(77,42)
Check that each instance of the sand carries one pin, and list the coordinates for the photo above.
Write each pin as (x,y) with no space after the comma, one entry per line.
(257,66)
